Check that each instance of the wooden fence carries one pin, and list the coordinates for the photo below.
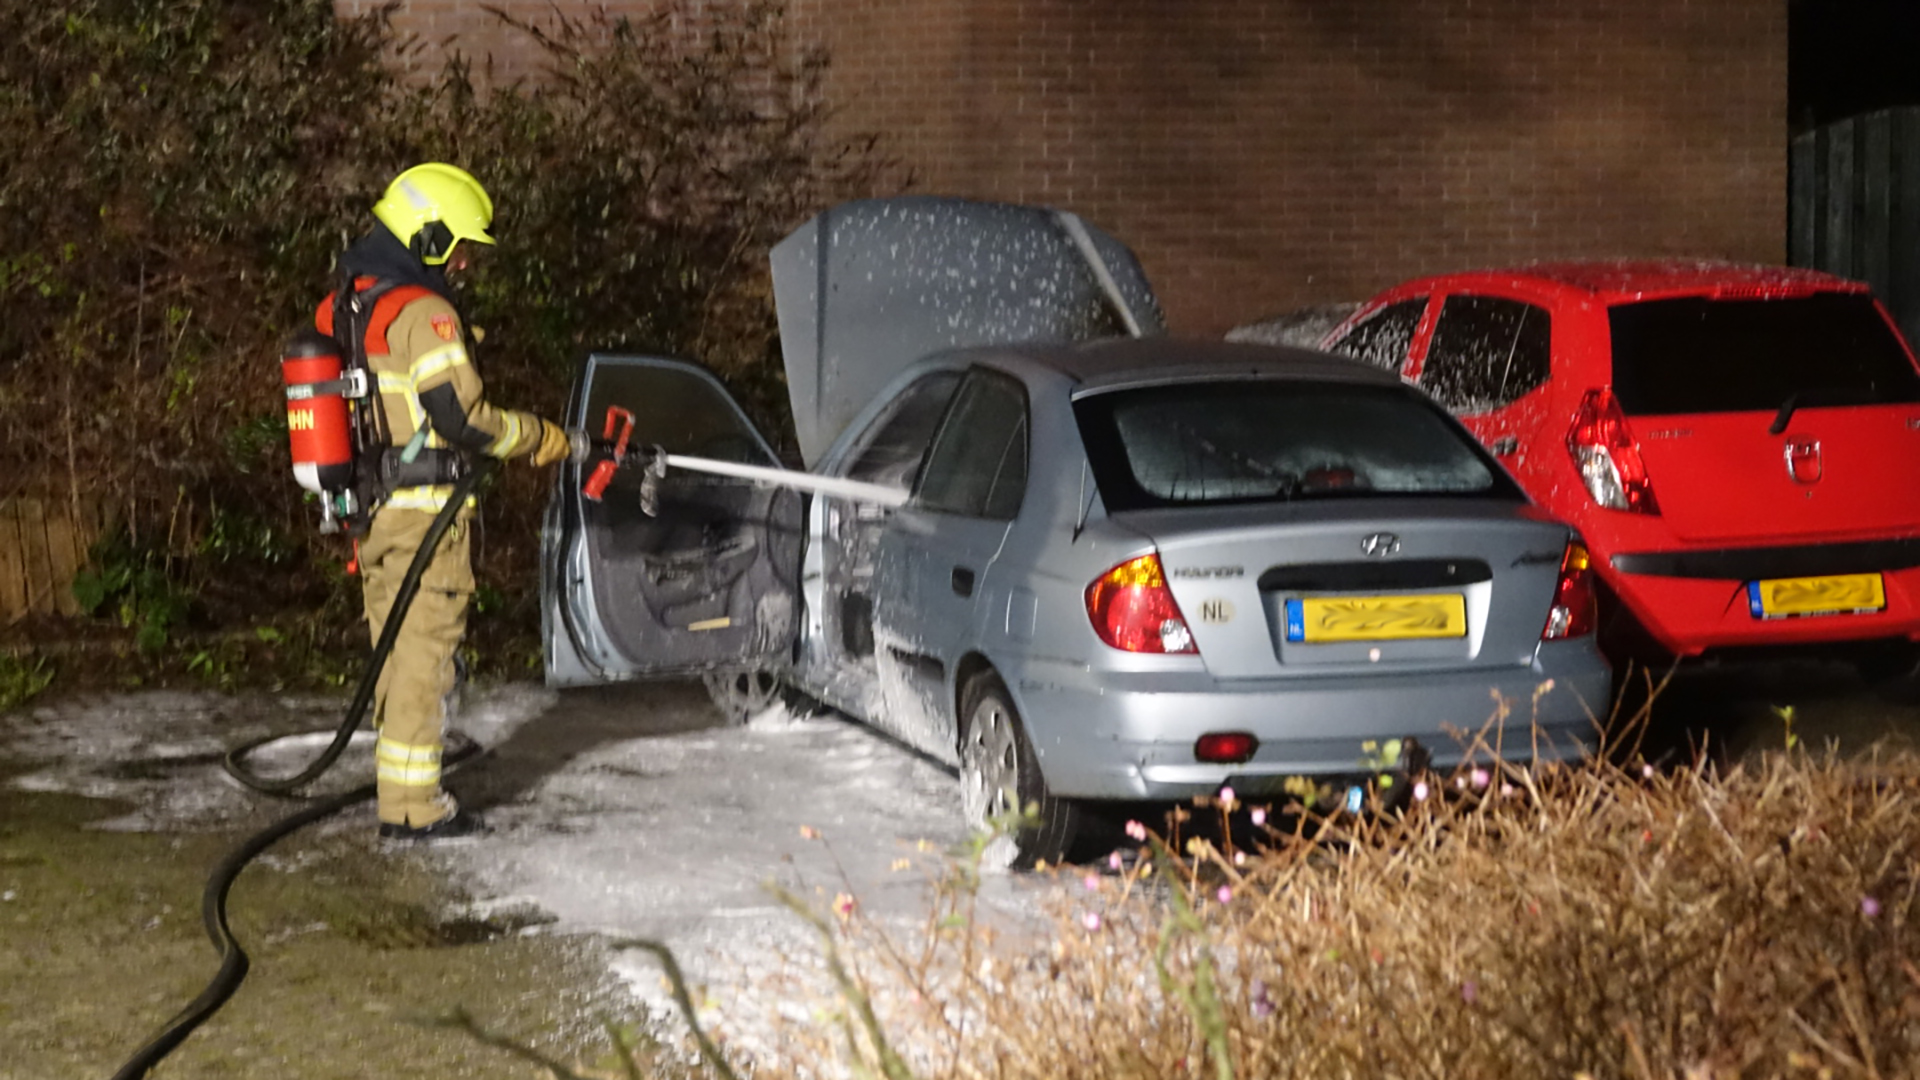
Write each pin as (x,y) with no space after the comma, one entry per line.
(1853,206)
(43,543)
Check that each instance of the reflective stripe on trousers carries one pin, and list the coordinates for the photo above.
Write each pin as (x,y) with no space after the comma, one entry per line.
(411,764)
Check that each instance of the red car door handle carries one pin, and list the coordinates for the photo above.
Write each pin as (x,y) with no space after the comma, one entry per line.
(1505,446)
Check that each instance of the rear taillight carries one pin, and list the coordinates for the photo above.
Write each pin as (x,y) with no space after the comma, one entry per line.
(1133,610)
(1573,611)
(1608,459)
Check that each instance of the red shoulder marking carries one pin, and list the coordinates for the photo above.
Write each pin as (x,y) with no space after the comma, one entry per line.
(385,310)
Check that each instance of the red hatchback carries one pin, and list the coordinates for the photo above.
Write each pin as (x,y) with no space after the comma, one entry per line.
(1739,445)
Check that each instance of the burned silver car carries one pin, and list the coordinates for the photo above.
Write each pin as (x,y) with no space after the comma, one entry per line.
(1119,569)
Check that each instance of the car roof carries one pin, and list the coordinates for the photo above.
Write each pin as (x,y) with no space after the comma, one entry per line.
(1617,281)
(1134,361)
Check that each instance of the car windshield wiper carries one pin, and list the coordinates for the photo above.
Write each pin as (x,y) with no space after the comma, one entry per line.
(1815,395)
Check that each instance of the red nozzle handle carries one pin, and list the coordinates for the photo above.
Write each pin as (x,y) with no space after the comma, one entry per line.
(596,483)
(595,486)
(619,419)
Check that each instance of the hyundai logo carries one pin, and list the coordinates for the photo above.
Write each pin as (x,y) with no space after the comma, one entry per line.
(1381,545)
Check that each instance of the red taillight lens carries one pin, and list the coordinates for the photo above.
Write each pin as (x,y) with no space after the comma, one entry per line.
(1608,459)
(1574,610)
(1133,610)
(1225,747)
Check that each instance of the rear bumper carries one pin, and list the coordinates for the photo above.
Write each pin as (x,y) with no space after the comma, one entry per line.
(1107,736)
(1686,612)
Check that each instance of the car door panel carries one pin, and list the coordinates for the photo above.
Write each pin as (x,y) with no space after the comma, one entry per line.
(889,451)
(710,580)
(1487,360)
(936,583)
(1384,337)
(924,622)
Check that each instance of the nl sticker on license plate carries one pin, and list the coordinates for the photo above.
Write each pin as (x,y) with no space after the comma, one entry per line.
(1376,618)
(1840,594)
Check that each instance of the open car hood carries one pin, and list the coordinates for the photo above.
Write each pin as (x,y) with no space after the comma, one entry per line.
(869,287)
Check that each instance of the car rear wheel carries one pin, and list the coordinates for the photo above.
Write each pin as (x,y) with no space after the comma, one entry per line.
(742,692)
(1000,776)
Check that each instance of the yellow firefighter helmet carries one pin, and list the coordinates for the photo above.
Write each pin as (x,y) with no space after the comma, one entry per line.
(434,206)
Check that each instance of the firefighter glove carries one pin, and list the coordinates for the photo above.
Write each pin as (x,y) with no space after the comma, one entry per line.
(554,444)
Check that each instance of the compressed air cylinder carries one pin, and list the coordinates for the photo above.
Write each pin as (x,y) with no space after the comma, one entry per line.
(318,429)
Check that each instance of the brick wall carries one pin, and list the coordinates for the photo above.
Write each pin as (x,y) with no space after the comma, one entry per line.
(1265,154)
(430,29)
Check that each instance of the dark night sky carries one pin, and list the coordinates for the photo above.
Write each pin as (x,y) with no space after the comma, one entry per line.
(1851,56)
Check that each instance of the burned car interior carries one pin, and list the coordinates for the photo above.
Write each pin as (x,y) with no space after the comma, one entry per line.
(713,551)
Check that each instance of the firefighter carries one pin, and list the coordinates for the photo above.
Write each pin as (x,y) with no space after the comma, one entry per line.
(432,220)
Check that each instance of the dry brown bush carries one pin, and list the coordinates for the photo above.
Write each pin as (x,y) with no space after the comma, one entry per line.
(1597,921)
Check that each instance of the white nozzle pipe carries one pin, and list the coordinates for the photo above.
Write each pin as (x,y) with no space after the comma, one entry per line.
(857,490)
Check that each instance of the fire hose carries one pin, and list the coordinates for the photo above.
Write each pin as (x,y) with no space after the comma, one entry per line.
(616,446)
(213,903)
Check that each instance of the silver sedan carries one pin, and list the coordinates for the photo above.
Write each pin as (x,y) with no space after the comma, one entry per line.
(1129,569)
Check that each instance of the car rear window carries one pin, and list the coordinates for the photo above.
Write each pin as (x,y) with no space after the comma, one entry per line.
(1701,355)
(1277,440)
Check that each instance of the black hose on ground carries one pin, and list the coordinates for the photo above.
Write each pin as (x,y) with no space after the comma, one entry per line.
(213,901)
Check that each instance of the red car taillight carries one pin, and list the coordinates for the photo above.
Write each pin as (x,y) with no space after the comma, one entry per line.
(1574,611)
(1608,459)
(1133,610)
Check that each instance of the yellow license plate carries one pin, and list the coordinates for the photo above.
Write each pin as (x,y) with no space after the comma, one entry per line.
(1834,595)
(1376,618)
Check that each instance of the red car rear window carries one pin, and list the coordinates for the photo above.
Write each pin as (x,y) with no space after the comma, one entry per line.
(1702,355)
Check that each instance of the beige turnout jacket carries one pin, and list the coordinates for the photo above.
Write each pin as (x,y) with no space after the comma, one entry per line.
(427,380)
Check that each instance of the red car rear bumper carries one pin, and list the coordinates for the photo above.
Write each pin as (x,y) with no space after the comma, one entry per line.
(1689,615)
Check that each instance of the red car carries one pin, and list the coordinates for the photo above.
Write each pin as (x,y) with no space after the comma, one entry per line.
(1739,445)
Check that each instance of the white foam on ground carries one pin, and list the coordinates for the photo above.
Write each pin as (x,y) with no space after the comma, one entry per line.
(672,837)
(676,837)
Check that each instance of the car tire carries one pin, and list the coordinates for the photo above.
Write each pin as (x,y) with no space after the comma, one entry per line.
(740,693)
(1000,775)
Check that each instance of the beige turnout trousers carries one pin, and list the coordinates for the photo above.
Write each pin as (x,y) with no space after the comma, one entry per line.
(409,702)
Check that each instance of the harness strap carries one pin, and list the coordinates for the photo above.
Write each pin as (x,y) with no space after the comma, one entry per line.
(429,468)
(351,385)
(358,314)
(381,300)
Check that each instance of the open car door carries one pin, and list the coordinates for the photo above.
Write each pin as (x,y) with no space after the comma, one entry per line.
(710,582)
